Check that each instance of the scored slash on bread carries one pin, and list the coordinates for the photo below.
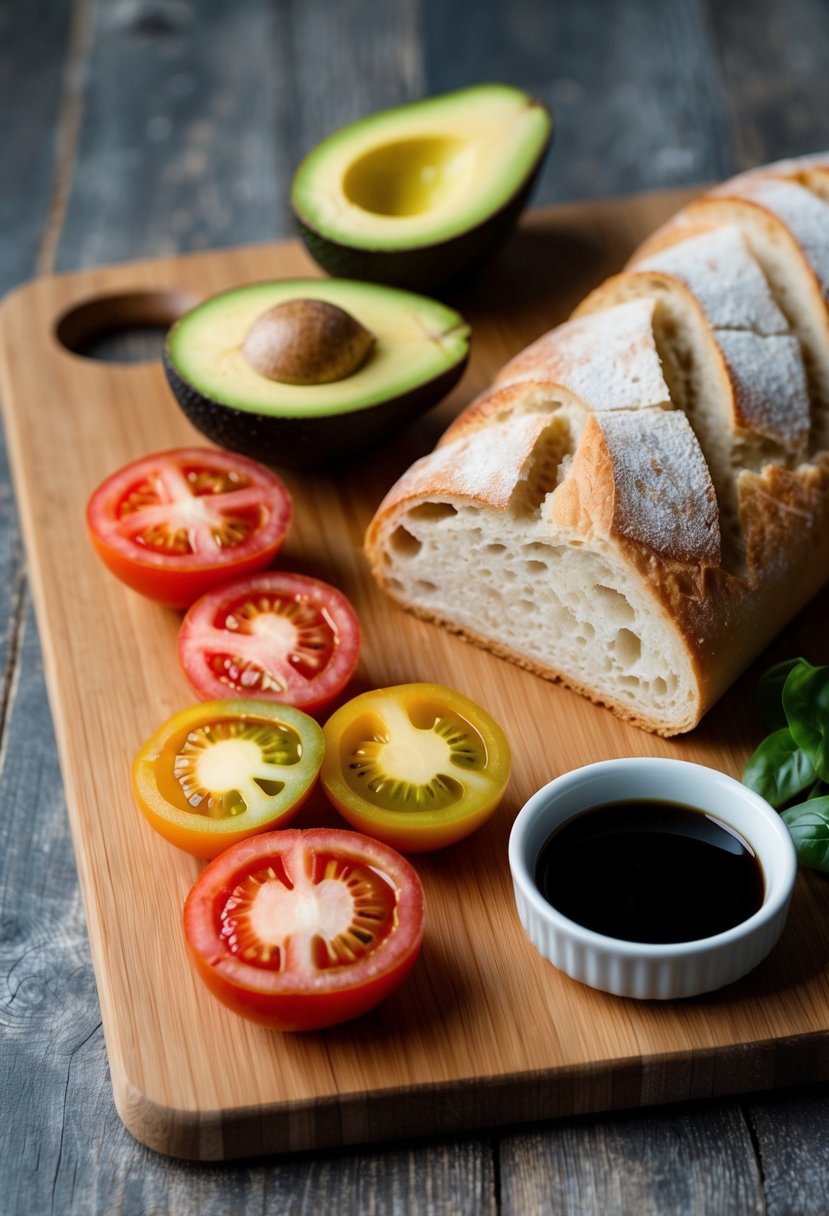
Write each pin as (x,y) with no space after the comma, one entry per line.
(732,364)
(648,483)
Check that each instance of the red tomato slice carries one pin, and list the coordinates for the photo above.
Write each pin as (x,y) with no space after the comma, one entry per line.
(303,929)
(177,523)
(275,636)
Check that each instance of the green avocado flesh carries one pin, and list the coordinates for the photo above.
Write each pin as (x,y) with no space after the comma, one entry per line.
(417,340)
(424,173)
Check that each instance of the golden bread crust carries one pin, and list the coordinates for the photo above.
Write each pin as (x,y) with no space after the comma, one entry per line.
(629,463)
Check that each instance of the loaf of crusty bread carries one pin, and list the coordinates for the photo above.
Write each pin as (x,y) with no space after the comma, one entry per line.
(641,499)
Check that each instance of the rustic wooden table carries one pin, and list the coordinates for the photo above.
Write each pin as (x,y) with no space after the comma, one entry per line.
(142,127)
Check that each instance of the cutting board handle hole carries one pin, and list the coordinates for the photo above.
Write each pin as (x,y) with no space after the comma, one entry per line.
(127,328)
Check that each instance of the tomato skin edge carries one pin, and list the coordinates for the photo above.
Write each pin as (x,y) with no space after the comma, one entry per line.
(298,1011)
(206,845)
(410,839)
(176,589)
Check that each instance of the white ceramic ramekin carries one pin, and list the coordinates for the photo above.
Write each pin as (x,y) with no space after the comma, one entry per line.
(636,969)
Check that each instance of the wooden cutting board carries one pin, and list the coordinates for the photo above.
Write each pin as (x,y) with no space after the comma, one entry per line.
(483,1031)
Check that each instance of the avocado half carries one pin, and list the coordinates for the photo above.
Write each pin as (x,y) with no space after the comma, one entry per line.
(420,352)
(422,194)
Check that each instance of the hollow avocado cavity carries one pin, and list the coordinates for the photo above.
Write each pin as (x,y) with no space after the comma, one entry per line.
(423,172)
(409,177)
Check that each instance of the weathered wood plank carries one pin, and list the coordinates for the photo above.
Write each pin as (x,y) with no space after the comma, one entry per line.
(33,40)
(182,140)
(690,1161)
(775,84)
(791,1135)
(102,1170)
(634,86)
(47,990)
(195,115)
(48,1004)
(350,59)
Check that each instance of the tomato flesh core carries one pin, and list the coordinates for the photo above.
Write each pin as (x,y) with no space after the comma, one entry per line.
(418,766)
(401,763)
(176,524)
(274,635)
(333,917)
(283,632)
(228,767)
(190,511)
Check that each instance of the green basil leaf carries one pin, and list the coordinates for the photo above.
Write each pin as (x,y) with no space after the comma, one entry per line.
(770,693)
(806,702)
(778,770)
(808,823)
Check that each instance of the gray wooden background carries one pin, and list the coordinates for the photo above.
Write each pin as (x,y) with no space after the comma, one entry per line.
(130,128)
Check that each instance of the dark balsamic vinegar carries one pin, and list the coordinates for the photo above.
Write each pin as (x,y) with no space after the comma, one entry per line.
(648,871)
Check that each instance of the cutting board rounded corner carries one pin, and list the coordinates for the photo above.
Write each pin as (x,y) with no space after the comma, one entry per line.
(175,1133)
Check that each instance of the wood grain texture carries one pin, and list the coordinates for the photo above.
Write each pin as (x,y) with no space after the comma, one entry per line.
(49,1016)
(33,41)
(196,115)
(791,1136)
(62,1149)
(617,130)
(178,147)
(774,88)
(683,1162)
(447,1052)
(383,67)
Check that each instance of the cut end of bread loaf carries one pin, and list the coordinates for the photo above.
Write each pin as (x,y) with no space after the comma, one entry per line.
(617,659)
(641,500)
(534,561)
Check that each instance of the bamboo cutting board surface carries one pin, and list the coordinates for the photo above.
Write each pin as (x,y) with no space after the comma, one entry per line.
(483,1031)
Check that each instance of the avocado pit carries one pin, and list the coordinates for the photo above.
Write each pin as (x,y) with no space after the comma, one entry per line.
(306,341)
(412,352)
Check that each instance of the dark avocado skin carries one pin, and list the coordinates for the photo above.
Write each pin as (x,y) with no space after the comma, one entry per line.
(306,443)
(431,266)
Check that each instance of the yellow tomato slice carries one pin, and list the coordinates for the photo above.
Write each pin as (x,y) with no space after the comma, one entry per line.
(224,770)
(417,766)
